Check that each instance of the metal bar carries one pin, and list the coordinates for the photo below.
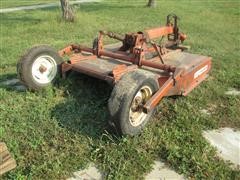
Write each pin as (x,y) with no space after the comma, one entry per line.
(164,67)
(158,52)
(156,98)
(116,55)
(112,35)
(123,57)
(160,31)
(82,48)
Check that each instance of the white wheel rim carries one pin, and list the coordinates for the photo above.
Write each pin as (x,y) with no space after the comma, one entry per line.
(136,114)
(44,69)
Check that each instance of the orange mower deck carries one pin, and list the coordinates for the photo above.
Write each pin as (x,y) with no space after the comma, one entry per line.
(177,72)
(143,68)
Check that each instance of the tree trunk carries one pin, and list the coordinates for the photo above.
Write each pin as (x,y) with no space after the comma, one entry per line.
(67,12)
(151,3)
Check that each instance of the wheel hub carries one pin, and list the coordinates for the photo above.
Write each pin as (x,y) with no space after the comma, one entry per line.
(136,114)
(136,103)
(44,69)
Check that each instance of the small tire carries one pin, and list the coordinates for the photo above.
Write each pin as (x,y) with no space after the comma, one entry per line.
(39,67)
(123,97)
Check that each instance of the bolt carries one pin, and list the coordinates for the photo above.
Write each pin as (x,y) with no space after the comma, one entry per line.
(42,69)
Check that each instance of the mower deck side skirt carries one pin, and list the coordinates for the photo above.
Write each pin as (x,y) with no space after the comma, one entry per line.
(191,73)
(193,77)
(91,72)
(195,84)
(100,68)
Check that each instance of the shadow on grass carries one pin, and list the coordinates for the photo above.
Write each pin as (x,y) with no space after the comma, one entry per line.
(8,76)
(10,82)
(85,109)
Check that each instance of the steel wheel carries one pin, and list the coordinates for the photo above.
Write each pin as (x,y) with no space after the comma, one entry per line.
(39,67)
(136,114)
(127,99)
(44,69)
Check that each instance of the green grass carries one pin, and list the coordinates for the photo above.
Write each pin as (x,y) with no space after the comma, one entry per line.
(59,130)
(14,3)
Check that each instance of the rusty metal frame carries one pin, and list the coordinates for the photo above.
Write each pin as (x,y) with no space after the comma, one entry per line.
(135,57)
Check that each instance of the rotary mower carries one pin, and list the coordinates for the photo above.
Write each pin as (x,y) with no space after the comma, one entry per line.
(141,70)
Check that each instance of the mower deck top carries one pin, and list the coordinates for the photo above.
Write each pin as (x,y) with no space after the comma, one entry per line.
(103,67)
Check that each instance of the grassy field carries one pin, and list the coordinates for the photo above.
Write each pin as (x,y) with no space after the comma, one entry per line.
(14,3)
(61,129)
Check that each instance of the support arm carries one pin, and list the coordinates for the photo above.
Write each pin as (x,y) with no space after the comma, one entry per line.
(156,98)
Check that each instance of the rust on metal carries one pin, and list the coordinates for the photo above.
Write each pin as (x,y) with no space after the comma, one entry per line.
(177,72)
(67,50)
(79,57)
(42,69)
(159,31)
(121,69)
(164,89)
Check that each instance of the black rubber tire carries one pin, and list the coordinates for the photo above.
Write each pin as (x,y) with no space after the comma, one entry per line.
(121,98)
(24,66)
